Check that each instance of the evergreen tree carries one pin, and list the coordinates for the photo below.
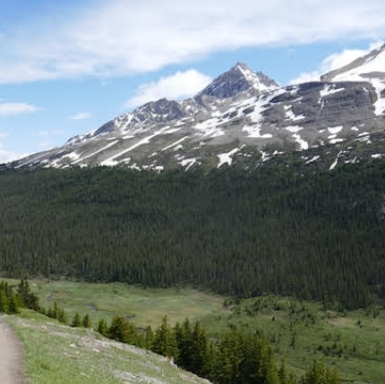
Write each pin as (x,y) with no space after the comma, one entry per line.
(165,341)
(30,300)
(200,351)
(183,336)
(86,322)
(102,327)
(148,338)
(123,331)
(319,373)
(3,302)
(12,305)
(61,315)
(76,321)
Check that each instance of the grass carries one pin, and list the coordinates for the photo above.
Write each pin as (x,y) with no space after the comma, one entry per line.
(57,354)
(300,332)
(353,341)
(141,306)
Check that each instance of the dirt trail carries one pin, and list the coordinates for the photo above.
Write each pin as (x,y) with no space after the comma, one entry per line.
(11,371)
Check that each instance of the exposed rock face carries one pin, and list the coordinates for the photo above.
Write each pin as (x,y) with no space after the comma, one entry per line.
(241,116)
(238,79)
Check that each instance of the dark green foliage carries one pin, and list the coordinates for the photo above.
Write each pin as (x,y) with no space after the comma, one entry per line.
(3,302)
(57,313)
(164,342)
(244,357)
(123,331)
(102,327)
(9,301)
(193,348)
(12,305)
(235,232)
(148,338)
(86,321)
(30,300)
(76,321)
(319,373)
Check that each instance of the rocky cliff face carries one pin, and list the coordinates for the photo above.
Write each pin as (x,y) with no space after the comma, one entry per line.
(241,117)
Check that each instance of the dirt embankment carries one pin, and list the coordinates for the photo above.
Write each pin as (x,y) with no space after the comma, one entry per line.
(11,364)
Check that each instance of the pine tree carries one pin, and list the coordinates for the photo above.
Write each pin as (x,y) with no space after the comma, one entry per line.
(102,327)
(319,373)
(86,322)
(76,321)
(165,341)
(116,331)
(123,331)
(183,335)
(61,315)
(3,302)
(148,338)
(30,300)
(199,351)
(12,305)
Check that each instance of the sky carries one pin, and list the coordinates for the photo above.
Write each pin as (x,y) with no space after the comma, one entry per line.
(67,67)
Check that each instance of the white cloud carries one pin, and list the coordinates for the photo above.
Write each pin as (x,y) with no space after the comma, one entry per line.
(9,109)
(80,116)
(45,144)
(54,132)
(120,37)
(58,132)
(181,85)
(334,61)
(7,156)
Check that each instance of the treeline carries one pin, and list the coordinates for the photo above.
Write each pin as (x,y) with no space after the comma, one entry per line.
(11,301)
(235,232)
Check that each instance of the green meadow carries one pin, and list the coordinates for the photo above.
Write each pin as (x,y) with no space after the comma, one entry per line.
(299,331)
(141,306)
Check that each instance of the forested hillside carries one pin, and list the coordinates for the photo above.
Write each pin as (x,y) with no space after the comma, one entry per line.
(232,231)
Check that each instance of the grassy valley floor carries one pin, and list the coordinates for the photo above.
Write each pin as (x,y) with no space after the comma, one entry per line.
(299,331)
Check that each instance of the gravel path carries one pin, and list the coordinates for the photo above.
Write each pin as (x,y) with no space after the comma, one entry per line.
(11,371)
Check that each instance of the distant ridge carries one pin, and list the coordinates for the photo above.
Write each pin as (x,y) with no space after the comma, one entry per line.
(242,117)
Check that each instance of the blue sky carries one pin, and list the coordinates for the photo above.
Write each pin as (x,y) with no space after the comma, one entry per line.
(67,67)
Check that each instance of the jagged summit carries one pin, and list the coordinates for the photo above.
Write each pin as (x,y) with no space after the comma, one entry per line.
(238,79)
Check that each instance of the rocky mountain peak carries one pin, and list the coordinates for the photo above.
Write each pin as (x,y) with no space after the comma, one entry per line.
(160,110)
(238,79)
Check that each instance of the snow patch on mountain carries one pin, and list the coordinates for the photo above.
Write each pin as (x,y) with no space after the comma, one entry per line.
(290,114)
(294,128)
(302,143)
(175,144)
(226,158)
(330,89)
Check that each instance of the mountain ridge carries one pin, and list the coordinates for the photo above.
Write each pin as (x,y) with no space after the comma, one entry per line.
(240,114)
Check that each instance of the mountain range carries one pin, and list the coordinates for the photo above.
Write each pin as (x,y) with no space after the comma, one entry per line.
(243,118)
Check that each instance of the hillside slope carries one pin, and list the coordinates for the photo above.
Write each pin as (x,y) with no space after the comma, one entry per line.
(60,354)
(313,235)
